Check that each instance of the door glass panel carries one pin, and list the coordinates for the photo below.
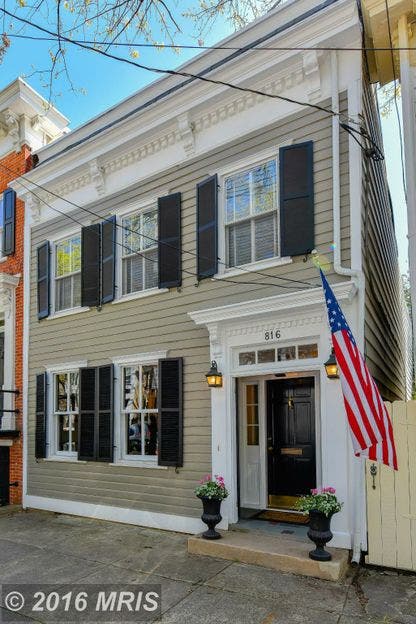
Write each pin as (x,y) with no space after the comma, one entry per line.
(252,414)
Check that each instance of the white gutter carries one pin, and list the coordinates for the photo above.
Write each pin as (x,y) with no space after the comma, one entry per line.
(357,468)
(26,319)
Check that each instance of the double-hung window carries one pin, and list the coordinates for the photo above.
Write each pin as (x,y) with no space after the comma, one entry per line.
(251,224)
(140,251)
(68,273)
(140,410)
(1,224)
(66,393)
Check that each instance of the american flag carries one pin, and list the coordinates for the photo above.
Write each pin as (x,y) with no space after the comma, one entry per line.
(370,424)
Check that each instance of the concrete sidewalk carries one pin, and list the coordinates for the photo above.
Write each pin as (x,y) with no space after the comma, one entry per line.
(40,547)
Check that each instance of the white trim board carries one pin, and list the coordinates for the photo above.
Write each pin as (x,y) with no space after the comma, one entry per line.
(166,522)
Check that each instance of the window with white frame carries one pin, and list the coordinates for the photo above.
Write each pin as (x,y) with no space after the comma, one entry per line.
(66,394)
(251,226)
(140,251)
(68,273)
(139,410)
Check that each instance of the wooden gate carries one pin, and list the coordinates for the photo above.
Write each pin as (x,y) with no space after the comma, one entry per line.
(391,497)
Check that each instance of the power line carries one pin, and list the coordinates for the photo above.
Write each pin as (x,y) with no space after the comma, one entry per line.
(139,233)
(184,74)
(395,100)
(173,46)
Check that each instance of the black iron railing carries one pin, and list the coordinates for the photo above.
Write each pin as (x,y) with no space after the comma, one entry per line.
(7,411)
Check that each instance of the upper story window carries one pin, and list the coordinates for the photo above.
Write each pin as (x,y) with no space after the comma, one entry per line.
(139,251)
(251,214)
(66,392)
(1,224)
(140,410)
(68,273)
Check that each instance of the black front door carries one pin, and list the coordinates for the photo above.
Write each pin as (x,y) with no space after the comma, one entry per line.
(290,440)
(4,474)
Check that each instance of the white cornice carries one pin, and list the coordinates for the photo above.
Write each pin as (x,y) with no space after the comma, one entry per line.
(139,358)
(268,305)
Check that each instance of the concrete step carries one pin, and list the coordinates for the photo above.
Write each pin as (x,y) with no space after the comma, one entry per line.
(281,553)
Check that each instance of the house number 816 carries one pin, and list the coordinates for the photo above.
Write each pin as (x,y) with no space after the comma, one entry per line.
(272,334)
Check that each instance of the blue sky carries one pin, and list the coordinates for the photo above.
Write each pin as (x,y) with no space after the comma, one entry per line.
(106,82)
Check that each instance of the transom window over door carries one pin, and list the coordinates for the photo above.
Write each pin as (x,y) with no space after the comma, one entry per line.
(66,393)
(140,251)
(140,409)
(251,215)
(68,273)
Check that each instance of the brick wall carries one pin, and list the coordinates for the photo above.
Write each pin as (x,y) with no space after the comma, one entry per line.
(12,166)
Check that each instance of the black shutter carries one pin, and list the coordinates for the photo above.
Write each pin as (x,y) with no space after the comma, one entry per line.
(105,413)
(296,199)
(170,412)
(90,264)
(207,227)
(9,219)
(87,410)
(108,256)
(43,280)
(170,241)
(40,431)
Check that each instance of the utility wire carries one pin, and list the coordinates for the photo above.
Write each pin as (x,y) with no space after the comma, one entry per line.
(161,46)
(184,74)
(139,233)
(395,101)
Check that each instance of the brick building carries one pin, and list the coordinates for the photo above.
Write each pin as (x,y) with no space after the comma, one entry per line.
(26,124)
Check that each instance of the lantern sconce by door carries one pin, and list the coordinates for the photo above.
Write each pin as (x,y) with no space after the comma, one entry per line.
(213,376)
(331,366)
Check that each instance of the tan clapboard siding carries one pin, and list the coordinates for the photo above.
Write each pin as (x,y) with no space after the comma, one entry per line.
(391,505)
(162,322)
(385,348)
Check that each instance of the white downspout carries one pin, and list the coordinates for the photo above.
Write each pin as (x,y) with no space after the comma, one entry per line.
(358,475)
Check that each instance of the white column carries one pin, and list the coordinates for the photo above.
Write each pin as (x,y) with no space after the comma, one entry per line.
(8,284)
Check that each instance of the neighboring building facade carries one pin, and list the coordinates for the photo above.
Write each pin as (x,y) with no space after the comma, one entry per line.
(381,23)
(186,219)
(24,127)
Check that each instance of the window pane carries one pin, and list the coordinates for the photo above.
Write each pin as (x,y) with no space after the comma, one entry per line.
(134,436)
(63,288)
(267,355)
(76,253)
(63,433)
(241,195)
(149,229)
(132,274)
(131,234)
(252,415)
(131,388)
(61,392)
(265,237)
(239,244)
(264,187)
(77,290)
(247,358)
(229,200)
(151,277)
(63,258)
(286,353)
(73,391)
(307,351)
(149,387)
(150,427)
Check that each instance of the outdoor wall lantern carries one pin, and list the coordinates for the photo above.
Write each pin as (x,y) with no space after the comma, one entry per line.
(331,366)
(214,378)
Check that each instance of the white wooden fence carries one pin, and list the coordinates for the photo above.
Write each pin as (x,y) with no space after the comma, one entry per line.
(391,497)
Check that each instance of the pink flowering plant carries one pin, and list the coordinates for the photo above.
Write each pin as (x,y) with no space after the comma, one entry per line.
(211,487)
(320,499)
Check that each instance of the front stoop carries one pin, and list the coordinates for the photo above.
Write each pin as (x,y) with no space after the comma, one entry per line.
(276,552)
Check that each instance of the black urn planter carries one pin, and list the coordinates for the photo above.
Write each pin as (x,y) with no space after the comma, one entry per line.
(211,516)
(320,533)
